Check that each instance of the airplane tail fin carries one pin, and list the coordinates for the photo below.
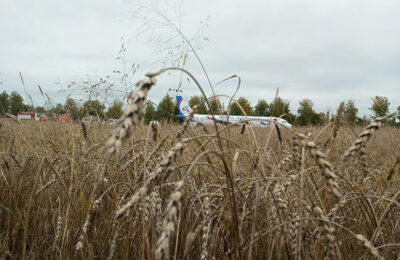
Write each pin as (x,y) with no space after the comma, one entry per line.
(184,109)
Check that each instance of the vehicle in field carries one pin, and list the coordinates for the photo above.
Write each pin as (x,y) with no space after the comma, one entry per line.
(91,119)
(257,121)
(64,118)
(31,116)
(112,121)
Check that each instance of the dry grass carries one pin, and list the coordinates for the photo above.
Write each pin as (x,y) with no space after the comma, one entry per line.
(193,193)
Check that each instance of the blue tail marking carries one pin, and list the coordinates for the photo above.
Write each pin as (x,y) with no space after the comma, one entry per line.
(179,100)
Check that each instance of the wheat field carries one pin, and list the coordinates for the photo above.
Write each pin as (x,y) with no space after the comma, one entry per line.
(171,191)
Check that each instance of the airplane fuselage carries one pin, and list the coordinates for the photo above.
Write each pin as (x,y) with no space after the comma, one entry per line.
(257,121)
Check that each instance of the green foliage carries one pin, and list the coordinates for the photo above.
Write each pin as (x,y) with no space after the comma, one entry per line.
(307,115)
(28,108)
(380,106)
(279,107)
(4,103)
(150,113)
(16,103)
(92,108)
(214,103)
(322,117)
(350,112)
(262,108)
(115,110)
(40,109)
(166,108)
(198,100)
(244,104)
(72,108)
(59,109)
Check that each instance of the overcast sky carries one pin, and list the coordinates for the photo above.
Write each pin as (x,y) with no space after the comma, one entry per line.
(328,51)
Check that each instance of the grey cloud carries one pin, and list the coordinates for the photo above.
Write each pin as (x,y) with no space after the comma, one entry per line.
(328,51)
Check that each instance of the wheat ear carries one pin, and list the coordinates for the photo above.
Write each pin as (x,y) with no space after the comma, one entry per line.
(130,117)
(88,224)
(365,136)
(368,245)
(206,231)
(327,232)
(155,178)
(169,222)
(326,168)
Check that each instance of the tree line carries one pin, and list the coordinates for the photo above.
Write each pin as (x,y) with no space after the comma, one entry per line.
(278,107)
(167,109)
(13,103)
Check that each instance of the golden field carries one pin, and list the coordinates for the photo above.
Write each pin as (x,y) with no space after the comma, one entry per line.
(179,192)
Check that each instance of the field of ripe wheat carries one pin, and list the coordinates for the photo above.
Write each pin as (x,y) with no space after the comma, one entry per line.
(171,191)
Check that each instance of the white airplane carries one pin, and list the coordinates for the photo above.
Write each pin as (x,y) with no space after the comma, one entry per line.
(257,121)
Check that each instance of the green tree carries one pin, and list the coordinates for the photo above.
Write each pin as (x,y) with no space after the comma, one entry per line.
(198,100)
(4,103)
(16,103)
(150,113)
(245,104)
(28,108)
(215,103)
(262,108)
(72,108)
(92,108)
(380,106)
(59,109)
(322,117)
(350,112)
(279,107)
(307,115)
(115,110)
(40,109)
(165,108)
